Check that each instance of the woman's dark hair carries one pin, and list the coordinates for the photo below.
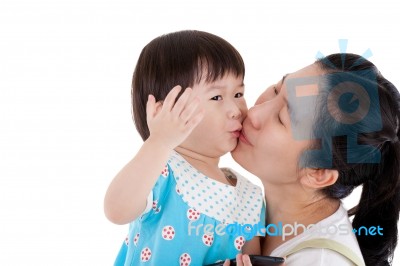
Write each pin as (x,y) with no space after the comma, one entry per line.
(180,58)
(364,149)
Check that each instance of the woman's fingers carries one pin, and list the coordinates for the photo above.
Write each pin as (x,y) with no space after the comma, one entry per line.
(243,260)
(239,261)
(227,262)
(246,260)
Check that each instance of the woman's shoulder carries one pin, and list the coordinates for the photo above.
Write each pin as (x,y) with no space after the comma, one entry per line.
(318,257)
(332,231)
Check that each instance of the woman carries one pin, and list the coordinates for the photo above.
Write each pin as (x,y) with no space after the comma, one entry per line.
(312,138)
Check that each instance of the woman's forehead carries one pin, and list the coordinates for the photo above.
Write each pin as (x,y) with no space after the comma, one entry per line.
(308,71)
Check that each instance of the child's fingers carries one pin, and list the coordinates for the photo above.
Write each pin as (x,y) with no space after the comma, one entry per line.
(158,107)
(194,121)
(190,109)
(169,101)
(181,104)
(150,107)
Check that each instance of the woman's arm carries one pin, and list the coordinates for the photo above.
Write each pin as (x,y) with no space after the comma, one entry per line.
(252,247)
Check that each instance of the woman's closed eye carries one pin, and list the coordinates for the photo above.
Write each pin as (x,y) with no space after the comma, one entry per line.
(279,118)
(267,95)
(276,91)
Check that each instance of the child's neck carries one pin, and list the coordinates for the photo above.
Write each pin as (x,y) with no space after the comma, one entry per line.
(205,164)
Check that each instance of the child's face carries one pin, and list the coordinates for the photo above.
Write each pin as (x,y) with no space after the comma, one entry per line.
(224,110)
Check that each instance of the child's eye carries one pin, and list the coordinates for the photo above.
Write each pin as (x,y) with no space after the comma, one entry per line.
(216,98)
(239,95)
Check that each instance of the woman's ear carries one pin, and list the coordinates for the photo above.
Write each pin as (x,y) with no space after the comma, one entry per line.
(319,178)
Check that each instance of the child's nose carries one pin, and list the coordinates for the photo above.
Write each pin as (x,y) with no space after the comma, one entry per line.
(235,112)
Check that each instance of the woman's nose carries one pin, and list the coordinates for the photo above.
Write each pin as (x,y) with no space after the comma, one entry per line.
(253,115)
(260,114)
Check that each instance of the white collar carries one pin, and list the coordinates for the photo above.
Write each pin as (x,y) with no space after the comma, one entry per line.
(228,204)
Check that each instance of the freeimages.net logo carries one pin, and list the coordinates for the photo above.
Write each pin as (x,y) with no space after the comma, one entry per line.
(339,103)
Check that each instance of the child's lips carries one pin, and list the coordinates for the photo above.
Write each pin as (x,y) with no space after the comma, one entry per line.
(242,138)
(236,133)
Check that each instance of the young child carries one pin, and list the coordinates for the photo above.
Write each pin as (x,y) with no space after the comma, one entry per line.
(175,197)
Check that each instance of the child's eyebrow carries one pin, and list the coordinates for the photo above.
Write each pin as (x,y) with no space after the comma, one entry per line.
(219,87)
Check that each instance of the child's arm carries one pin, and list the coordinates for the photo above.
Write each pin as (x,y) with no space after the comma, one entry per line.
(169,126)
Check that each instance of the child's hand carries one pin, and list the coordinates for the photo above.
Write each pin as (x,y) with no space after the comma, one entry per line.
(173,123)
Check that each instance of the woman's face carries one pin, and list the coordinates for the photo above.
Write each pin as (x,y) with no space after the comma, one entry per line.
(268,147)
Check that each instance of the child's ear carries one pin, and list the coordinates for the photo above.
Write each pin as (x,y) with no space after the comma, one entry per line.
(319,178)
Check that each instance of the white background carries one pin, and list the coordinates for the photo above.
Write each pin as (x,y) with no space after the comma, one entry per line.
(65,121)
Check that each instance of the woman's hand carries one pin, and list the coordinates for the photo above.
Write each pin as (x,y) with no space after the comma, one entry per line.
(244,260)
(241,260)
